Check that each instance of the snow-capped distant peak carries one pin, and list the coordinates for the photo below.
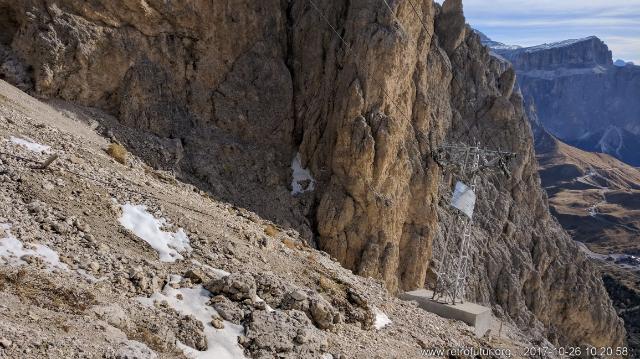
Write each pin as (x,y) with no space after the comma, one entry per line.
(486,41)
(502,46)
(555,45)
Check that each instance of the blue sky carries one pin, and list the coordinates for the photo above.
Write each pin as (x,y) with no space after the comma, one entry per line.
(534,22)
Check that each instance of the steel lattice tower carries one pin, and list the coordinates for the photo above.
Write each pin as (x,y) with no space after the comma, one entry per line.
(465,163)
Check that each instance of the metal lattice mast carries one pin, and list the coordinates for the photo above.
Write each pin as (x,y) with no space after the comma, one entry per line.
(464,260)
(466,163)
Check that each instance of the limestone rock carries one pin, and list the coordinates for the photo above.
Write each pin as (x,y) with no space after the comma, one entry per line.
(271,288)
(5,343)
(191,332)
(217,323)
(580,53)
(197,276)
(114,315)
(451,25)
(507,81)
(574,85)
(131,349)
(298,295)
(237,286)
(321,312)
(290,334)
(227,309)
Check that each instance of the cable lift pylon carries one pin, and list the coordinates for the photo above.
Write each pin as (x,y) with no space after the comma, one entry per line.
(466,163)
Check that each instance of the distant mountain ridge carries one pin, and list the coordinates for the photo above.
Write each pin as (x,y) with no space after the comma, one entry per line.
(622,63)
(580,94)
(494,44)
(573,53)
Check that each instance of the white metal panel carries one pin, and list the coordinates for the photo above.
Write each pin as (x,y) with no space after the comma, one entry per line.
(464,199)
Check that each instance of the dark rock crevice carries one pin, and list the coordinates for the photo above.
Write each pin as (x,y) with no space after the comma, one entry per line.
(8,25)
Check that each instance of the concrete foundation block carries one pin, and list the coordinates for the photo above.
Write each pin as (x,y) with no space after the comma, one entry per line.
(475,315)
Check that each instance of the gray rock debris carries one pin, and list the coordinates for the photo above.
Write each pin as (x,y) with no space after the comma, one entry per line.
(290,334)
(279,294)
(5,343)
(191,332)
(114,315)
(131,349)
(271,288)
(323,314)
(227,309)
(197,276)
(236,286)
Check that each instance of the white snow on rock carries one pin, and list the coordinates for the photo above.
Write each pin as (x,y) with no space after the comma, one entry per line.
(555,45)
(300,177)
(221,343)
(148,228)
(267,307)
(13,250)
(381,319)
(218,272)
(30,145)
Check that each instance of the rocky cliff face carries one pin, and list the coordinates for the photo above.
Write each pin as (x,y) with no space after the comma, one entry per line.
(229,92)
(580,95)
(515,238)
(578,53)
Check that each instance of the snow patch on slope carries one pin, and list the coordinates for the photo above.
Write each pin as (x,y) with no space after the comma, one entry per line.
(148,228)
(13,250)
(486,41)
(612,141)
(302,180)
(30,145)
(221,343)
(218,272)
(382,320)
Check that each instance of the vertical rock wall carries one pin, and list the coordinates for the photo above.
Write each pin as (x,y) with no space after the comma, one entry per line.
(369,116)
